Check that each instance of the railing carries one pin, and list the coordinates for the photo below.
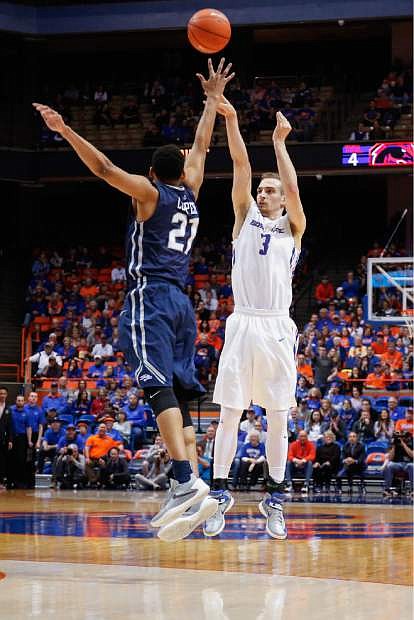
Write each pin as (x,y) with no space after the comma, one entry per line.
(25,351)
(7,371)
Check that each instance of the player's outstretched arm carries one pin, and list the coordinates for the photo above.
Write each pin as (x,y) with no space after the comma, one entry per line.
(288,178)
(241,192)
(213,88)
(137,186)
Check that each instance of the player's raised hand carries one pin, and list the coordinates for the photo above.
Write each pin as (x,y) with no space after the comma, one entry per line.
(52,118)
(215,83)
(225,108)
(282,129)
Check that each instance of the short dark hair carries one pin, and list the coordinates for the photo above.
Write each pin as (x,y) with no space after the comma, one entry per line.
(168,163)
(3,387)
(270,175)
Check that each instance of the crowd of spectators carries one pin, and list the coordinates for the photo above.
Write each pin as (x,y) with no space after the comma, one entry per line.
(175,105)
(73,304)
(393,98)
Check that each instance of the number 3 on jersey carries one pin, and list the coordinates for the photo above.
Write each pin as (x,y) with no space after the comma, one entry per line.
(266,241)
(176,238)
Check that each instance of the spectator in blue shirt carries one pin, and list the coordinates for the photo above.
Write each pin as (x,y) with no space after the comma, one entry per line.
(351,286)
(50,443)
(226,290)
(74,372)
(204,464)
(37,420)
(55,400)
(137,416)
(97,371)
(252,457)
(335,396)
(20,470)
(68,438)
(324,320)
(66,351)
(111,431)
(347,414)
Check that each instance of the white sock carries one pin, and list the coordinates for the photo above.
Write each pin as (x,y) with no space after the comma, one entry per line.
(225,445)
(277,444)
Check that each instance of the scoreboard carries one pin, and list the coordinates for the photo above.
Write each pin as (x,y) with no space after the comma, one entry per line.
(378,155)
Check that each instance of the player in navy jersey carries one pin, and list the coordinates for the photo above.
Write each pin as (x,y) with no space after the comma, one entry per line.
(157,325)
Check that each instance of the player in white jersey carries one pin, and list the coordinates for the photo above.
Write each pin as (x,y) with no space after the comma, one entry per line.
(258,359)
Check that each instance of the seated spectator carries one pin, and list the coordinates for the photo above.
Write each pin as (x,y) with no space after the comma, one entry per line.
(137,416)
(42,359)
(248,424)
(98,369)
(392,356)
(399,460)
(335,397)
(50,443)
(102,350)
(123,426)
(252,457)
(405,425)
(207,442)
(301,389)
(114,474)
(55,400)
(111,431)
(96,448)
(81,406)
(314,399)
(351,286)
(130,113)
(348,414)
(376,132)
(371,114)
(314,426)
(375,380)
(364,428)
(83,434)
(70,468)
(204,464)
(336,426)
(304,368)
(296,423)
(324,291)
(156,468)
(353,462)
(118,272)
(301,456)
(384,427)
(326,463)
(69,437)
(53,370)
(205,353)
(361,134)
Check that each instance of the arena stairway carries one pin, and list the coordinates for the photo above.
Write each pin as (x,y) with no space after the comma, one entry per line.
(13,277)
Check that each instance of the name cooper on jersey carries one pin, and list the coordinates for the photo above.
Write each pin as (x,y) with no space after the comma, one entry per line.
(188,207)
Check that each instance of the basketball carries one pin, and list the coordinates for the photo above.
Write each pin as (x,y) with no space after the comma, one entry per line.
(209,31)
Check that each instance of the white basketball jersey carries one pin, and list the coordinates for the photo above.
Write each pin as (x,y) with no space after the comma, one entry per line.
(264,259)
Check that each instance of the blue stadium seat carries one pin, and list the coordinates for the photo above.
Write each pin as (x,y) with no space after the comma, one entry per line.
(405,401)
(381,402)
(66,419)
(90,419)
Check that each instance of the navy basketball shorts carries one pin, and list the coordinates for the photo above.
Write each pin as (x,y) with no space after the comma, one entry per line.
(157,332)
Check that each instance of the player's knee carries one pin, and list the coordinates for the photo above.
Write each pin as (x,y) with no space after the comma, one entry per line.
(160,399)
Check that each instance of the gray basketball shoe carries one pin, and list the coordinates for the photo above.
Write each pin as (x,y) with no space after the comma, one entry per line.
(185,524)
(271,507)
(179,499)
(215,524)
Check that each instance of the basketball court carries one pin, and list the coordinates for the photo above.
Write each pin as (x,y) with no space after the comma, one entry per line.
(97,552)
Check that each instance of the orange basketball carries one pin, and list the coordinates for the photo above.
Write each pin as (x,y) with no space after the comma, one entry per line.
(209,31)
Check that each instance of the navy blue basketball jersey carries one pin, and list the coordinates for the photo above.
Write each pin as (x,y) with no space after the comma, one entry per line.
(160,247)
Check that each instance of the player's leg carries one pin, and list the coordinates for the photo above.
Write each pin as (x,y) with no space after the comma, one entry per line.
(275,381)
(233,387)
(276,454)
(147,336)
(187,386)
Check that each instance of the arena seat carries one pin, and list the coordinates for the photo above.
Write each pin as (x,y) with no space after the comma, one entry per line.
(405,401)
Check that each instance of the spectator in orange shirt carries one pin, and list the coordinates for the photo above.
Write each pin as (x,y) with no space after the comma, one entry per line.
(375,380)
(324,291)
(392,357)
(406,424)
(89,289)
(96,448)
(379,346)
(301,456)
(304,369)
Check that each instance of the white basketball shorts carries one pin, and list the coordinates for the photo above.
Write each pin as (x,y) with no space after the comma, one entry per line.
(258,361)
